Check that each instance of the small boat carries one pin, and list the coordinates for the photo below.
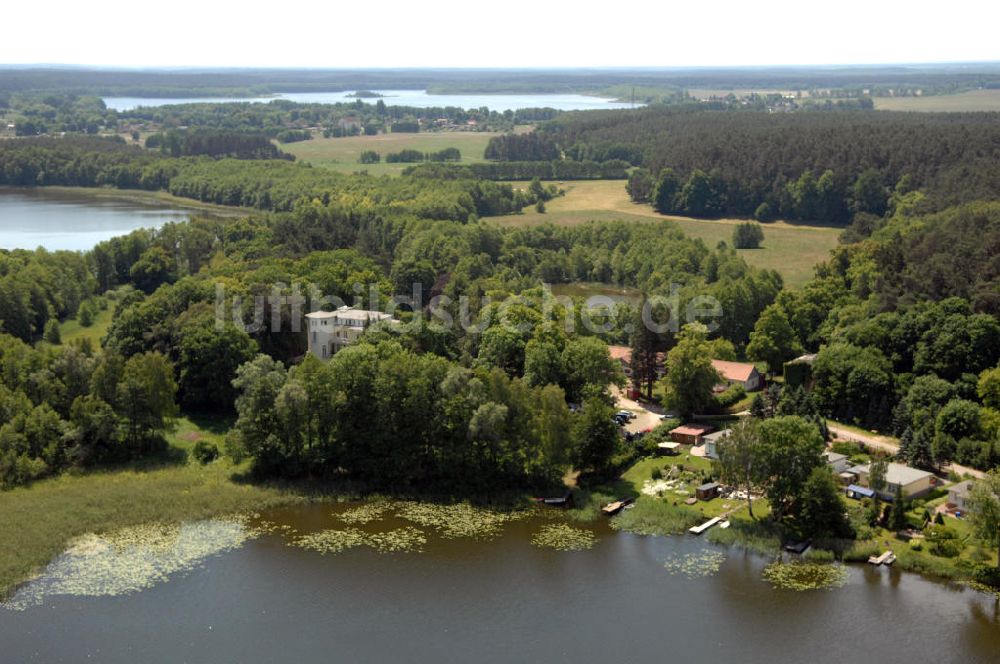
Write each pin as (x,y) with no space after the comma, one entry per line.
(559,501)
(615,507)
(724,524)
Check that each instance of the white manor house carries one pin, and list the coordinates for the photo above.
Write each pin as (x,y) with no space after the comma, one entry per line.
(329,331)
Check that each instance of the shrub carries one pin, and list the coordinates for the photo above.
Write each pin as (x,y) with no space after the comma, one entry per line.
(52,334)
(205,452)
(369,157)
(656,474)
(748,235)
(731,396)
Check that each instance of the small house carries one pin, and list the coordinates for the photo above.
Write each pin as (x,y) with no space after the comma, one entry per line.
(707,491)
(837,463)
(712,442)
(958,494)
(690,434)
(668,449)
(911,481)
(738,373)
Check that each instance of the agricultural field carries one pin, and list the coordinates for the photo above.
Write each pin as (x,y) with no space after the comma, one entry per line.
(342,153)
(791,249)
(963,102)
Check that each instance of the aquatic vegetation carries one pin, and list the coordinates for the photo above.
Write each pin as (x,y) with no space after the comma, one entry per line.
(131,559)
(655,517)
(458,520)
(805,576)
(696,565)
(406,539)
(331,541)
(563,537)
(366,513)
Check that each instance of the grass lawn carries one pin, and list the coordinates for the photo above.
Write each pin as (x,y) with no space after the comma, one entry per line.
(71,330)
(342,153)
(963,102)
(37,521)
(791,249)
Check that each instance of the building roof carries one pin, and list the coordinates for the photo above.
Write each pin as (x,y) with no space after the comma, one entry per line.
(834,457)
(692,429)
(962,489)
(715,436)
(668,446)
(861,491)
(808,358)
(349,313)
(622,353)
(740,371)
(897,473)
(708,486)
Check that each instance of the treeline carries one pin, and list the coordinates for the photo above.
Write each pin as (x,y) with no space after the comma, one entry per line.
(772,163)
(526,170)
(416,156)
(433,423)
(215,143)
(522,147)
(263,184)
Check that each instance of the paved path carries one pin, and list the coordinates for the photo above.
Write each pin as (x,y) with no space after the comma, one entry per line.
(647,416)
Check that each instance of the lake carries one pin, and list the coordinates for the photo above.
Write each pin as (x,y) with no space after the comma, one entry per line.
(60,219)
(416,98)
(503,600)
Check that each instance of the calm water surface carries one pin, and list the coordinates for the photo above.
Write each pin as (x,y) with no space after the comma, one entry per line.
(501,601)
(31,218)
(415,98)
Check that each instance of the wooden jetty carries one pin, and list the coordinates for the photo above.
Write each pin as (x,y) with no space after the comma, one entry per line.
(698,530)
(886,558)
(615,507)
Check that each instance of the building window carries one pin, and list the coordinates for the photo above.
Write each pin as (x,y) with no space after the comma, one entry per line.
(324,351)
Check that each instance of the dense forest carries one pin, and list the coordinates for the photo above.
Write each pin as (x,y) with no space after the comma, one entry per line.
(274,184)
(810,166)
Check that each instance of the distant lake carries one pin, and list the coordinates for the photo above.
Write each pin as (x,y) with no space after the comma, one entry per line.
(57,219)
(416,98)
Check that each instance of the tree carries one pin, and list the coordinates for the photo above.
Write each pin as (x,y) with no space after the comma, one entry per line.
(983,506)
(52,334)
(640,185)
(869,194)
(790,448)
(589,368)
(152,269)
(543,364)
(737,453)
(93,434)
(85,314)
(645,358)
(897,515)
(595,436)
(773,340)
(747,235)
(821,509)
(988,388)
(876,482)
(208,360)
(145,398)
(690,376)
(666,191)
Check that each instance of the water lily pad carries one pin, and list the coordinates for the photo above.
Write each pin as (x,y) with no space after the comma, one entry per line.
(564,538)
(805,576)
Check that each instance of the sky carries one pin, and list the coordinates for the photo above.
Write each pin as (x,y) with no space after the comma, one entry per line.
(508,34)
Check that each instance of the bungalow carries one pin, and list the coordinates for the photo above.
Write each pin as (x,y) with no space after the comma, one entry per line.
(712,442)
(707,491)
(913,482)
(838,463)
(738,373)
(690,434)
(957,495)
